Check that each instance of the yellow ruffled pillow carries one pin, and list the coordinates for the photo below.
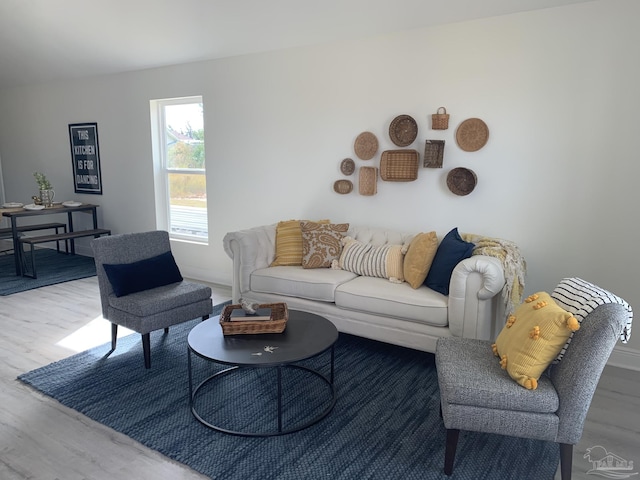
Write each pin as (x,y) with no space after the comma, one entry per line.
(532,337)
(419,257)
(289,243)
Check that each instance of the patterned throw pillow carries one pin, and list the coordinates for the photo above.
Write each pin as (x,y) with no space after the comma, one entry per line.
(384,261)
(321,243)
(532,337)
(289,243)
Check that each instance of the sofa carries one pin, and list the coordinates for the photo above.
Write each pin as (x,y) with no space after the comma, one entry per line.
(385,309)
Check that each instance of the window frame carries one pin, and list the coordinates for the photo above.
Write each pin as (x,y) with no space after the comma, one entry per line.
(162,171)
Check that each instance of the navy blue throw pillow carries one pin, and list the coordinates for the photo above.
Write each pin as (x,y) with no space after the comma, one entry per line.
(451,251)
(143,275)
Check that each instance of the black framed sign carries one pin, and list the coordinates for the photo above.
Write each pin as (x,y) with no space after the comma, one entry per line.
(85,157)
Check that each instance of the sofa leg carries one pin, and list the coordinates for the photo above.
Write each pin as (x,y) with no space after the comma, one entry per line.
(204,317)
(146,349)
(566,458)
(114,336)
(450,450)
(166,330)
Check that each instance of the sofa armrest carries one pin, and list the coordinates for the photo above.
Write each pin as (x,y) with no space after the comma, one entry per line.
(474,300)
(250,250)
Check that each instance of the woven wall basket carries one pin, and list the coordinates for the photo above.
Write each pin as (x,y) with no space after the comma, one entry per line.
(348,166)
(440,120)
(433,153)
(366,145)
(342,186)
(403,130)
(472,134)
(368,184)
(399,165)
(462,181)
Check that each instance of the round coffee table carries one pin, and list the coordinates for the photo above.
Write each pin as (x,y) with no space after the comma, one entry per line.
(306,336)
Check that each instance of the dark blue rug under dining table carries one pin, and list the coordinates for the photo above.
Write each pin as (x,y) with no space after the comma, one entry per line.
(52,267)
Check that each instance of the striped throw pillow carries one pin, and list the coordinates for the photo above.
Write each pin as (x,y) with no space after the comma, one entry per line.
(385,261)
(581,298)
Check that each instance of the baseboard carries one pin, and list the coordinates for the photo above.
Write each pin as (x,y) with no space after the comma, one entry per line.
(625,357)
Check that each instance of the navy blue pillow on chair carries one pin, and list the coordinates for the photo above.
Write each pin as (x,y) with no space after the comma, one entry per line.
(143,275)
(452,250)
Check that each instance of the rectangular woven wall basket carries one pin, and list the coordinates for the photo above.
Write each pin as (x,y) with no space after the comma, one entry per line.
(368,181)
(433,153)
(399,165)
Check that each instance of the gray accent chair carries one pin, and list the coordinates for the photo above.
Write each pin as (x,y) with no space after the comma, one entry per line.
(477,395)
(149,310)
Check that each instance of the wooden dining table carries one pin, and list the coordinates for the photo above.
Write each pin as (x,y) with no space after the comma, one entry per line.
(15,213)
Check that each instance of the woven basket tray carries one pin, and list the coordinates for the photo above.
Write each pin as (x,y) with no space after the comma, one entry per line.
(277,324)
(399,165)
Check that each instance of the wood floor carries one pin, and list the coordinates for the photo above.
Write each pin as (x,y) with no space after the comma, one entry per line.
(40,439)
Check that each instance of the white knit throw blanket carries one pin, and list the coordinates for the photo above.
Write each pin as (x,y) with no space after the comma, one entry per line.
(513,264)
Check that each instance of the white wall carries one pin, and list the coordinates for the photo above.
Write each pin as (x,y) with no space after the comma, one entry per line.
(558,89)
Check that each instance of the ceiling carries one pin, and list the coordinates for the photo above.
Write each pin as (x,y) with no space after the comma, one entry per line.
(52,40)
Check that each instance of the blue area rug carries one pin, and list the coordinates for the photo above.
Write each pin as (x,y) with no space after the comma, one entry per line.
(385,424)
(52,267)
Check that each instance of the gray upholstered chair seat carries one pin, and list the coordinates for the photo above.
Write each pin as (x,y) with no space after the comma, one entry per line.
(160,299)
(487,385)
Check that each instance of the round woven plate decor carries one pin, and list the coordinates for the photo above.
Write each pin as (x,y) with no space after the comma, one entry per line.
(343,186)
(366,145)
(348,166)
(472,134)
(403,130)
(461,181)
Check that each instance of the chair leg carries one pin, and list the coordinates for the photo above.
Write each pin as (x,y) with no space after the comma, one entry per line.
(450,450)
(146,349)
(114,336)
(566,458)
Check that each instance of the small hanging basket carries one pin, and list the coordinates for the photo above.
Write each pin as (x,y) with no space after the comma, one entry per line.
(440,121)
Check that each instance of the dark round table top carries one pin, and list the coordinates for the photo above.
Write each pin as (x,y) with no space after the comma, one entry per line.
(305,336)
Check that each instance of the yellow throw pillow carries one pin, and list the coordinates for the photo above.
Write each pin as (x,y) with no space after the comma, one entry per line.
(289,243)
(532,337)
(419,257)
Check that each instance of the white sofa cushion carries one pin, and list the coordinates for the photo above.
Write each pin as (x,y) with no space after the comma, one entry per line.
(313,284)
(399,300)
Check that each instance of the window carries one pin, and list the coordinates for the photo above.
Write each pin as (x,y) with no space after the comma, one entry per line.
(179,167)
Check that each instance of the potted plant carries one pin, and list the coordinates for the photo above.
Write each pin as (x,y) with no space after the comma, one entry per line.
(46,190)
